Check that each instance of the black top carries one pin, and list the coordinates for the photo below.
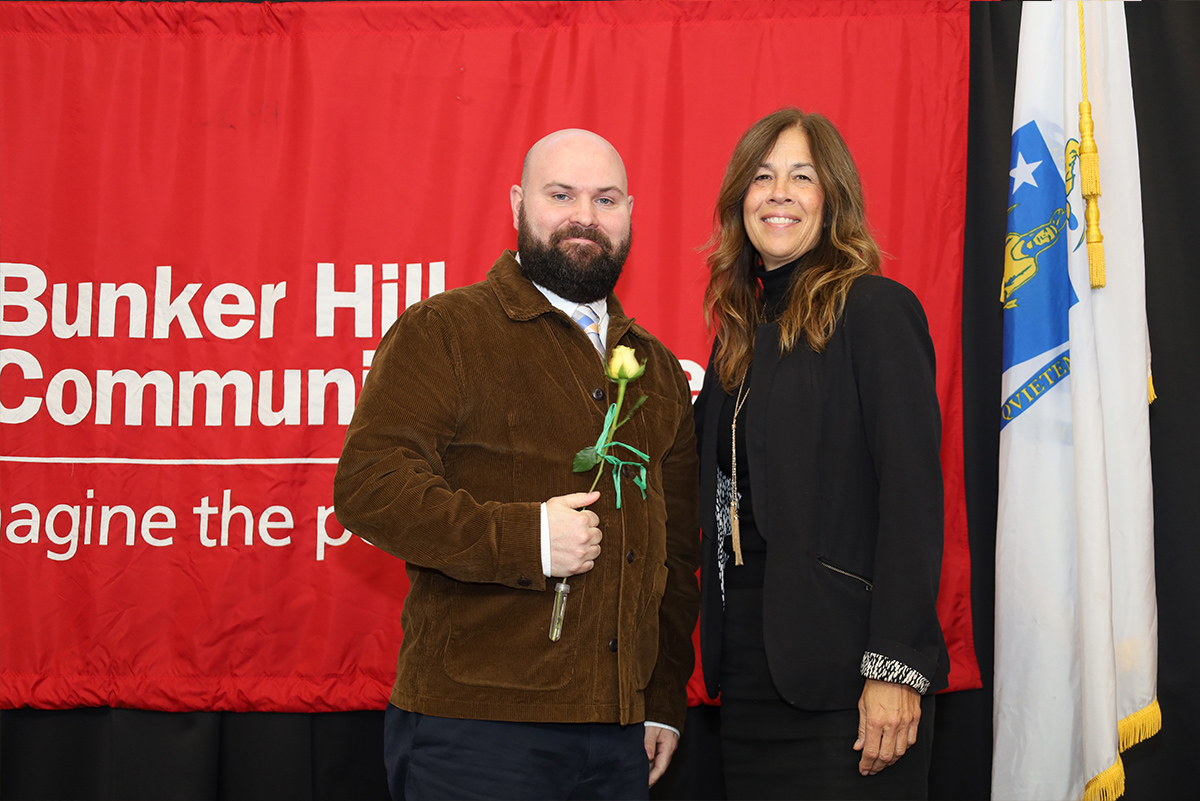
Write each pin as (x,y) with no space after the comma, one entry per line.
(775,285)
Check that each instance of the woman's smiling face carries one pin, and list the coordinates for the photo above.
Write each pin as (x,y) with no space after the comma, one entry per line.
(782,210)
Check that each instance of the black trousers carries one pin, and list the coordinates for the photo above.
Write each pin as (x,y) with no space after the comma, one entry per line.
(771,749)
(429,758)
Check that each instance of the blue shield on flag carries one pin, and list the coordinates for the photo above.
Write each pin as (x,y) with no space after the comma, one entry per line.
(1037,291)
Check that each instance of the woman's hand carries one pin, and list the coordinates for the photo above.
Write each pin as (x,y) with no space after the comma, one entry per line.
(888,714)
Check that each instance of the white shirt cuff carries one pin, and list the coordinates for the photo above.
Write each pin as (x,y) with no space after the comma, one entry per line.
(663,726)
(545,542)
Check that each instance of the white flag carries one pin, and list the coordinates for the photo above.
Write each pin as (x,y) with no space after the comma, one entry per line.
(1076,621)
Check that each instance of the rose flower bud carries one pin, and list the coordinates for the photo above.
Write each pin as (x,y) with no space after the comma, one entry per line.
(624,364)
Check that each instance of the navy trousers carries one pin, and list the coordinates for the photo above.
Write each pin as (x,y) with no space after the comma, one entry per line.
(430,758)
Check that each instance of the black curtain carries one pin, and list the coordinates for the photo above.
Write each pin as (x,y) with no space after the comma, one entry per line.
(134,754)
(1166,68)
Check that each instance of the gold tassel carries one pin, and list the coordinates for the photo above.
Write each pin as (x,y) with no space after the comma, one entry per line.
(1108,786)
(1141,725)
(735,527)
(1089,172)
(737,534)
(1089,154)
(1153,398)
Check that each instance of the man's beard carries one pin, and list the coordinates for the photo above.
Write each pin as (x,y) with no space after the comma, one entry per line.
(578,273)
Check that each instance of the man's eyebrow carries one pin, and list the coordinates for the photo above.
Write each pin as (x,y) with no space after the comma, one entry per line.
(600,191)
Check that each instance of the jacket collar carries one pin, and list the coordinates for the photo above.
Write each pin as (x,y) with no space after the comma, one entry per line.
(522,301)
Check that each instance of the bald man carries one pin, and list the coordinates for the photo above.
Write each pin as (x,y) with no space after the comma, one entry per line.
(458,461)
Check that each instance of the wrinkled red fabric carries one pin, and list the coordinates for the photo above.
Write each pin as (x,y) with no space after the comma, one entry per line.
(240,147)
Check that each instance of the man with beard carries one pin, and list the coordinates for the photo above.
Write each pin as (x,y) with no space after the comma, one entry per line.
(459,461)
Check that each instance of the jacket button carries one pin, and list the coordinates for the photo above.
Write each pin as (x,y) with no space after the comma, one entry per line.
(524,582)
(612,645)
(629,557)
(598,394)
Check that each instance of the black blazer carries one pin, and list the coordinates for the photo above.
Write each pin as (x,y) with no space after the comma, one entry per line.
(843,451)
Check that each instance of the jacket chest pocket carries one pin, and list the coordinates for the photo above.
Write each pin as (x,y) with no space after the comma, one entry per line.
(542,432)
(651,430)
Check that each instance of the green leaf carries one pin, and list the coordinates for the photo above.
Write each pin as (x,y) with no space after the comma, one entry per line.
(585,460)
(633,409)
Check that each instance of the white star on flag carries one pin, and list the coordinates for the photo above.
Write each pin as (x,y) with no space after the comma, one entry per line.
(1023,172)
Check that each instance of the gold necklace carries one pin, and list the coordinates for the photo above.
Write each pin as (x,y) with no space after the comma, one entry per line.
(733,500)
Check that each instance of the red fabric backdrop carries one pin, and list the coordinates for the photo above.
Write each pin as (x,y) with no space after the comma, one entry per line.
(209,213)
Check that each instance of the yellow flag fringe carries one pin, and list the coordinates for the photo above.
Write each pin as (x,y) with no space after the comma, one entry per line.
(1141,725)
(1108,786)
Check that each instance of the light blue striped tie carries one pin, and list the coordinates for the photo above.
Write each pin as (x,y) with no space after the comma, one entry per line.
(588,322)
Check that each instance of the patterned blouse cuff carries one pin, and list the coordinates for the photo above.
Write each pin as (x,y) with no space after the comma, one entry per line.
(878,666)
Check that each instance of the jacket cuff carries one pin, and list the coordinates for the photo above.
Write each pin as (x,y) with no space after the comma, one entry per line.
(519,548)
(882,668)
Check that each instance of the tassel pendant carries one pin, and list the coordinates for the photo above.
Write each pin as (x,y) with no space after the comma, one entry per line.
(737,533)
(733,500)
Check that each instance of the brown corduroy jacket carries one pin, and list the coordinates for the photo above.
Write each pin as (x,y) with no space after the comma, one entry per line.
(475,405)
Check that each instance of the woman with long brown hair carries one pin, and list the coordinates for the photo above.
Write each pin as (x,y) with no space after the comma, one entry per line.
(821,486)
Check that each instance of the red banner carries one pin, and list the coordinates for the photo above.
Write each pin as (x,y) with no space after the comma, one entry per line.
(211,212)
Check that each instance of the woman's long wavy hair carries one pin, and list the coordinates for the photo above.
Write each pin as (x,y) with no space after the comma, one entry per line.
(845,249)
